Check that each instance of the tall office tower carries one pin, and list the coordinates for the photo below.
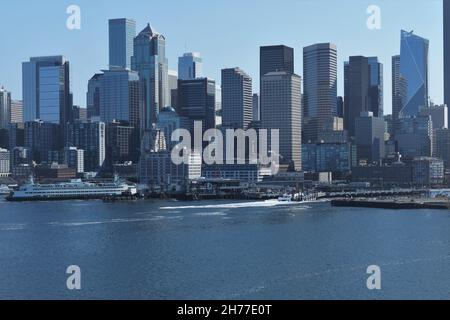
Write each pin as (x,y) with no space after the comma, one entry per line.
(357,84)
(237,99)
(442,146)
(121,37)
(276,58)
(150,62)
(438,114)
(46,90)
(190,66)
(93,96)
(370,137)
(415,137)
(447,53)
(197,102)
(376,95)
(16,111)
(5,108)
(320,87)
(399,92)
(256,114)
(281,109)
(42,138)
(119,97)
(173,88)
(121,144)
(16,135)
(414,68)
(89,137)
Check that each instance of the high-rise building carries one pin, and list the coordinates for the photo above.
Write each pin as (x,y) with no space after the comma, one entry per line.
(369,136)
(93,96)
(173,88)
(320,87)
(376,95)
(276,58)
(5,108)
(442,146)
(356,87)
(237,99)
(255,104)
(46,90)
(89,137)
(399,92)
(190,66)
(415,137)
(414,68)
(150,61)
(79,113)
(74,158)
(119,96)
(438,114)
(16,111)
(197,101)
(447,53)
(42,138)
(121,37)
(281,110)
(121,144)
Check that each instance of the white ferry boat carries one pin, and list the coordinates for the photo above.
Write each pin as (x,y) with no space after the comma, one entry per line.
(73,190)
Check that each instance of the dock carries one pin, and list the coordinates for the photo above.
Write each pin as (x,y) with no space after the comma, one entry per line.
(395,204)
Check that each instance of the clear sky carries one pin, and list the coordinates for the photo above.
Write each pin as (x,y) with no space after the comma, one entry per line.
(227,33)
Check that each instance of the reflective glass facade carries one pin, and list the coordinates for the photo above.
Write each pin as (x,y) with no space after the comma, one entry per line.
(414,68)
(121,36)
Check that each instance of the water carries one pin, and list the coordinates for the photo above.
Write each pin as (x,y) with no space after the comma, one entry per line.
(221,250)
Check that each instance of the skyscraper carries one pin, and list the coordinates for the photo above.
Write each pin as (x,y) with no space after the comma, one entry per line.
(256,113)
(119,97)
(150,62)
(320,86)
(173,88)
(93,96)
(281,109)
(237,100)
(16,111)
(5,108)
(447,53)
(89,137)
(357,83)
(369,137)
(376,98)
(399,92)
(414,68)
(121,37)
(190,66)
(197,101)
(276,58)
(46,90)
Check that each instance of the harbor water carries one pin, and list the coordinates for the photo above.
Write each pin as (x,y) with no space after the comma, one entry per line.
(221,250)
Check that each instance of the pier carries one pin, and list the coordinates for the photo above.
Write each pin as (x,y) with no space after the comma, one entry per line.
(396,204)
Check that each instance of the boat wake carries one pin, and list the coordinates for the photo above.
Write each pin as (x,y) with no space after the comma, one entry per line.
(257,204)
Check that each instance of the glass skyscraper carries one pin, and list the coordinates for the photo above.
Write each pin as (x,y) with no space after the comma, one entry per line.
(5,108)
(414,69)
(121,37)
(447,53)
(119,97)
(150,62)
(376,87)
(46,90)
(237,99)
(320,85)
(190,66)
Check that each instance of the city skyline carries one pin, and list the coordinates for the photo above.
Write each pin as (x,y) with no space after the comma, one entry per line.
(215,56)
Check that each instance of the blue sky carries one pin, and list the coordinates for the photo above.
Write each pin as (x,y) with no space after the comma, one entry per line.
(228,33)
